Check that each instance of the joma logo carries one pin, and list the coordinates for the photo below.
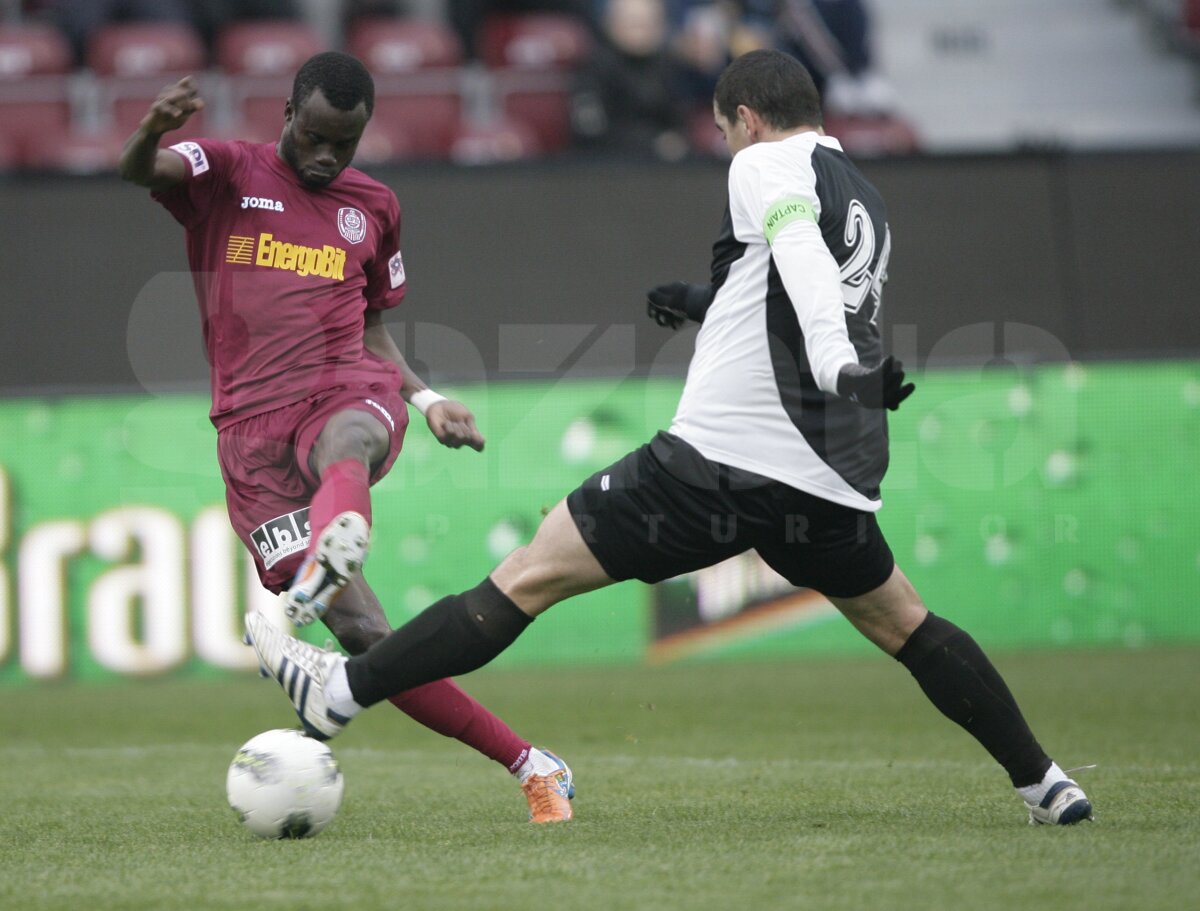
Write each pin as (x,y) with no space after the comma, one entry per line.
(261,202)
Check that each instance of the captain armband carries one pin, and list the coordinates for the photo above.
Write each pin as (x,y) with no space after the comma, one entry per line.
(784,213)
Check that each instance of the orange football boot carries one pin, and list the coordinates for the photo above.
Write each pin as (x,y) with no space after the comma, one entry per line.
(550,795)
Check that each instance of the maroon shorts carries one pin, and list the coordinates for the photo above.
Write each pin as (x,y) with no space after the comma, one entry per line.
(269,482)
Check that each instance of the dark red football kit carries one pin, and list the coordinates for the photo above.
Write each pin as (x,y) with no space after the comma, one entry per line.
(284,275)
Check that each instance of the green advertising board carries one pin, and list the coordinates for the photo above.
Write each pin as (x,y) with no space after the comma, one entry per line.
(1048,506)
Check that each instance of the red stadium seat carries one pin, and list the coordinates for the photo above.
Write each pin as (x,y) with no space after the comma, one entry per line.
(138,50)
(34,98)
(531,57)
(261,59)
(383,143)
(389,46)
(10,158)
(703,135)
(499,141)
(418,83)
(134,61)
(266,48)
(533,41)
(75,153)
(32,50)
(1188,27)
(873,136)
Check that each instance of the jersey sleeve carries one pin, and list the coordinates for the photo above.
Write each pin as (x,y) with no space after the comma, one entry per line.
(210,166)
(386,281)
(776,203)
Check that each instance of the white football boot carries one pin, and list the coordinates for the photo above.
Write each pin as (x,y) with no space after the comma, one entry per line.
(302,670)
(1064,804)
(338,556)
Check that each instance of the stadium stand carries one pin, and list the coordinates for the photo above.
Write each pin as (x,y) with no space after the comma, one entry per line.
(35,62)
(128,64)
(132,62)
(8,154)
(418,82)
(75,152)
(1178,22)
(495,140)
(529,59)
(873,136)
(979,75)
(259,61)
(969,75)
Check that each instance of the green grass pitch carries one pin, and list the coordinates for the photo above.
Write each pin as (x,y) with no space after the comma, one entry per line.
(825,784)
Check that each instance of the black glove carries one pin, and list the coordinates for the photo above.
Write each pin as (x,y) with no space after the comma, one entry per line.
(881,386)
(674,304)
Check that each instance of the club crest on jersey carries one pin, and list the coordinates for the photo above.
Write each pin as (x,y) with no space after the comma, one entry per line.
(352,224)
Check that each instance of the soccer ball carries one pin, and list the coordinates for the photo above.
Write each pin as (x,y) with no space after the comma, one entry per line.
(284,784)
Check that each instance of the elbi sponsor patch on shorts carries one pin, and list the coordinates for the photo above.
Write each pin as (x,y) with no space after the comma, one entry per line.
(282,536)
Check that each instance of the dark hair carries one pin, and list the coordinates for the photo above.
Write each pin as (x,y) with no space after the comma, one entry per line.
(774,85)
(342,79)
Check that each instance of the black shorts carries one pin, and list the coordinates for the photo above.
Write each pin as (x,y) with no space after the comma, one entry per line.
(664,510)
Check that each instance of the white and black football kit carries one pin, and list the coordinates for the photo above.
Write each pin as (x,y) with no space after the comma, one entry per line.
(762,453)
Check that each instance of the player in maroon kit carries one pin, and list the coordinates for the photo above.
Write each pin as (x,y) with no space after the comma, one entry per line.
(295,256)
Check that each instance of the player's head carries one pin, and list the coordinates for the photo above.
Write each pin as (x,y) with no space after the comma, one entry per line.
(772,85)
(332,100)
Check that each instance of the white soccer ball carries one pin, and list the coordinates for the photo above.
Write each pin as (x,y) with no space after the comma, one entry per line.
(284,784)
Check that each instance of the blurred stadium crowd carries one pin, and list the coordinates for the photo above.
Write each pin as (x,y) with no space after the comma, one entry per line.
(469,81)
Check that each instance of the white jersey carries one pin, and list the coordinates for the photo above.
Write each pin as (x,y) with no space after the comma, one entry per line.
(798,272)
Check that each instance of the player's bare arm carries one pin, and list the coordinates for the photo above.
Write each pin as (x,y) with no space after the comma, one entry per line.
(451,422)
(142,161)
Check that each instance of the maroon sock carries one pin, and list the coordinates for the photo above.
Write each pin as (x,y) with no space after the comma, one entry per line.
(345,487)
(444,707)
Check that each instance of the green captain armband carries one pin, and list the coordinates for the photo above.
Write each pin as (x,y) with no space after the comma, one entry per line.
(784,212)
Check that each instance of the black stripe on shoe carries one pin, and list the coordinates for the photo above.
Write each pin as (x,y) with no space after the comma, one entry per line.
(313,732)
(292,682)
(289,675)
(303,700)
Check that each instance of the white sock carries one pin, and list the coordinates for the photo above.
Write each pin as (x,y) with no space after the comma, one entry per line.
(1034,793)
(337,692)
(538,763)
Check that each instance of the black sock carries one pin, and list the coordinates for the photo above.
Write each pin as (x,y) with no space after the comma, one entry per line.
(453,636)
(961,682)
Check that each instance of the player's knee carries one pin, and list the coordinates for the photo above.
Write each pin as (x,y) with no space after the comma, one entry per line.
(529,580)
(351,436)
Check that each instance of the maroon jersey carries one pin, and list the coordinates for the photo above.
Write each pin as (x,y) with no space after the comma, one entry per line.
(284,274)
